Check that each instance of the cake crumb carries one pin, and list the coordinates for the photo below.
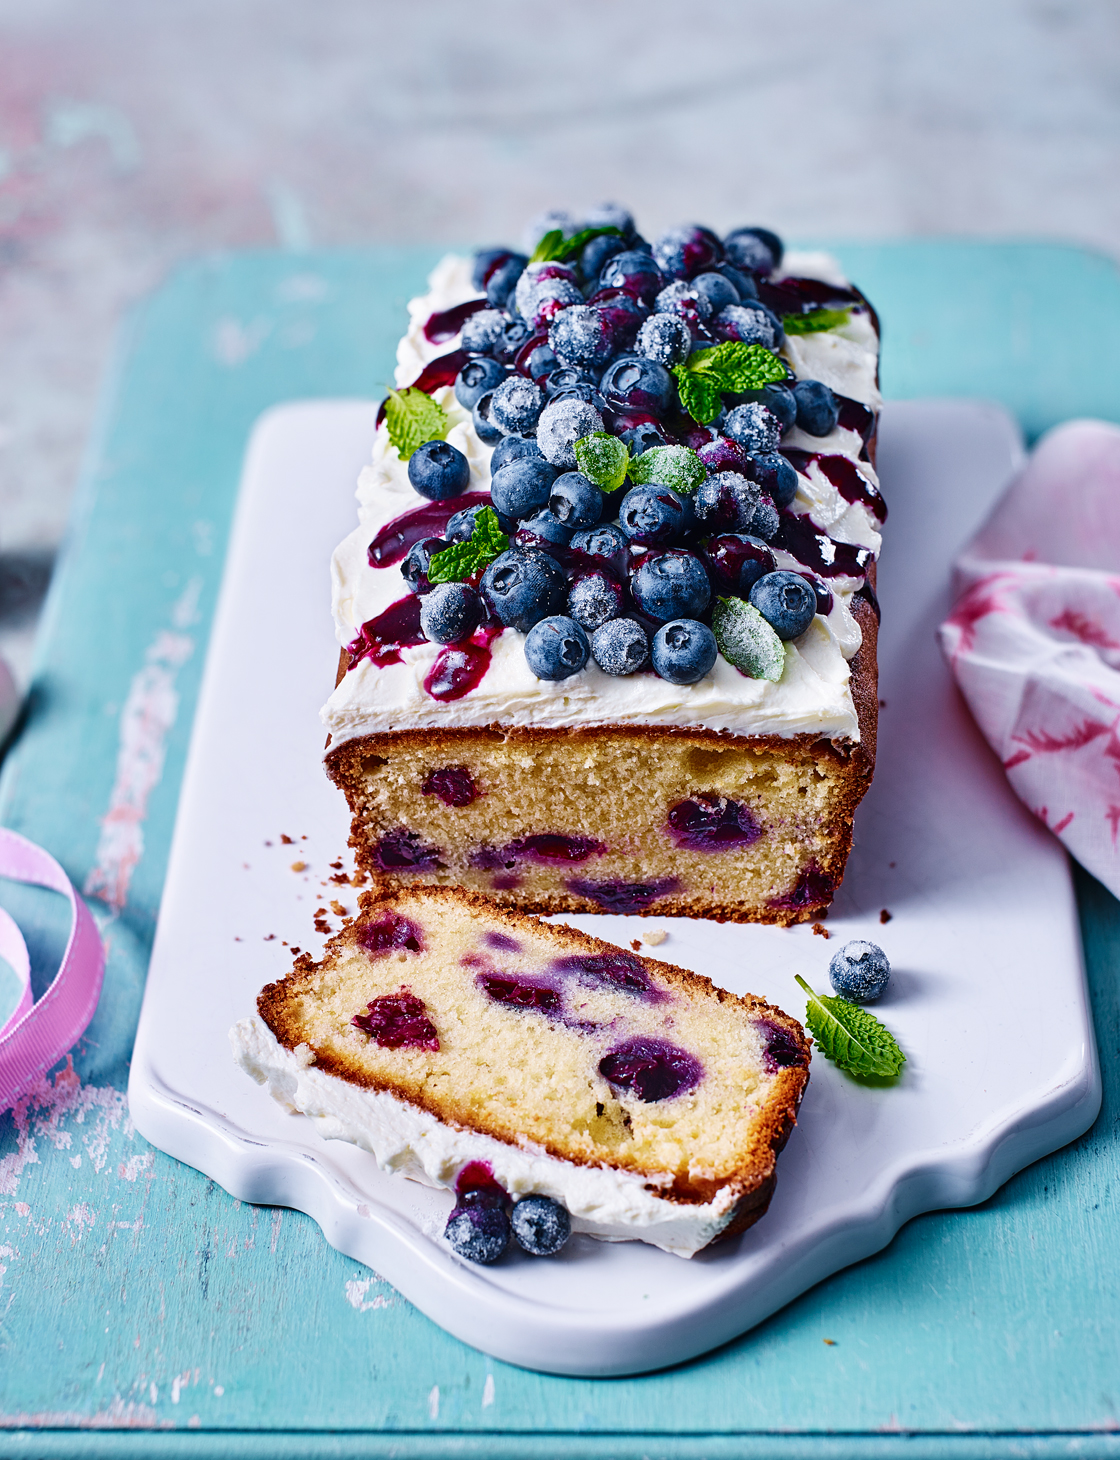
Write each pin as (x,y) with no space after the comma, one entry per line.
(337,908)
(821,931)
(885,915)
(286,840)
(882,704)
(322,926)
(636,944)
(337,866)
(236,939)
(830,1341)
(654,937)
(340,879)
(268,844)
(270,937)
(296,950)
(299,866)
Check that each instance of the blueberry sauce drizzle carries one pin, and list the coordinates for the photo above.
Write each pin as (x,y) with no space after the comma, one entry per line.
(398,1021)
(452,784)
(475,1186)
(623,897)
(651,1069)
(461,667)
(396,537)
(445,324)
(814,549)
(390,933)
(780,1051)
(382,638)
(793,296)
(844,475)
(709,823)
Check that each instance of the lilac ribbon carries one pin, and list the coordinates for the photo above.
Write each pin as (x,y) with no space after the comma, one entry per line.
(39,1034)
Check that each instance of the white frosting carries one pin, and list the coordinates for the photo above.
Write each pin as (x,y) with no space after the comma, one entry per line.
(813,695)
(603,1202)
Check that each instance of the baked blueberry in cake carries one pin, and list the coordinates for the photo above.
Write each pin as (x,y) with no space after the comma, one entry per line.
(513,1061)
(608,622)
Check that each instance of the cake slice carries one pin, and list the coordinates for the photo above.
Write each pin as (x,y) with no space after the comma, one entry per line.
(441,1033)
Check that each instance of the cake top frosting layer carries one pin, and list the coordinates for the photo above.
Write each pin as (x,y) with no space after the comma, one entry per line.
(399,680)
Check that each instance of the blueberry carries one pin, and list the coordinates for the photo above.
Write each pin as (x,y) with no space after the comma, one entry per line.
(483,331)
(859,971)
(620,647)
(556,647)
(687,250)
(774,475)
(671,585)
(516,405)
(634,271)
(743,284)
(786,602)
(726,502)
(536,281)
(522,486)
(513,448)
(598,251)
(541,1225)
(575,500)
(817,411)
(736,562)
(606,541)
(717,290)
(683,651)
(651,515)
(664,338)
(633,383)
(593,599)
(414,564)
(541,530)
(475,379)
(751,323)
(579,336)
(680,298)
(765,522)
(538,363)
(582,392)
(561,423)
(450,612)
(754,427)
(516,334)
(778,400)
(756,250)
(521,588)
(723,454)
(438,470)
(486,431)
(567,377)
(483,264)
(503,280)
(548,299)
(460,527)
(641,438)
(480,1234)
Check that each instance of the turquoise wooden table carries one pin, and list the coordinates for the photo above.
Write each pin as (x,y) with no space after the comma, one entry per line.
(145,1312)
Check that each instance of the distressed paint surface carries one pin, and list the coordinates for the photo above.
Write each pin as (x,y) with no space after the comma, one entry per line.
(135,1294)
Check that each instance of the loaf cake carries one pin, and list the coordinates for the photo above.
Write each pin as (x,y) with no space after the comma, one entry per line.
(441,1033)
(652,692)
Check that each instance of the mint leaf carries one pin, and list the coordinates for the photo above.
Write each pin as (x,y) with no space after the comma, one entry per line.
(815,321)
(738,367)
(555,248)
(852,1037)
(746,640)
(603,459)
(699,393)
(462,560)
(413,417)
(675,467)
(545,251)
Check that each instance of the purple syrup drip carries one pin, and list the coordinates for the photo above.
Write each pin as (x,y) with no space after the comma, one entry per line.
(815,550)
(781,1051)
(445,324)
(813,888)
(430,520)
(619,972)
(855,416)
(651,1069)
(623,897)
(712,824)
(520,992)
(544,847)
(398,1021)
(502,943)
(453,784)
(402,849)
(389,933)
(844,475)
(382,638)
(436,373)
(789,296)
(461,667)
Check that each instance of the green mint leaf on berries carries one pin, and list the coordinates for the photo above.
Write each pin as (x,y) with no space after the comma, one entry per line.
(816,321)
(675,467)
(738,367)
(603,459)
(747,641)
(852,1037)
(460,561)
(555,248)
(413,417)
(699,393)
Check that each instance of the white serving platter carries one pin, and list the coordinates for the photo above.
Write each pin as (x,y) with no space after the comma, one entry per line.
(988,997)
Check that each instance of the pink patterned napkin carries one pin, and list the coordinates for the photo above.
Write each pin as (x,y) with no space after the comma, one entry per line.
(1034,638)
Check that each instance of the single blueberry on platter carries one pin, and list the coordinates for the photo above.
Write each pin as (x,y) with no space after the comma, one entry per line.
(437,470)
(859,971)
(540,1225)
(478,1233)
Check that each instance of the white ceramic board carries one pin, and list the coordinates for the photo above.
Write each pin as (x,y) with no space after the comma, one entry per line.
(988,996)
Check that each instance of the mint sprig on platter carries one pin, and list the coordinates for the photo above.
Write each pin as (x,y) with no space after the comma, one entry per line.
(413,417)
(815,321)
(555,248)
(852,1037)
(733,367)
(460,561)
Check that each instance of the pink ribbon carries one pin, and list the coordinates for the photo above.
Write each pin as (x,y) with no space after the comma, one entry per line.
(39,1034)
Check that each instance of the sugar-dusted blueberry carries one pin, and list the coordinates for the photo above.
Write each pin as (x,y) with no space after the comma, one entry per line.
(579,336)
(754,427)
(556,647)
(414,564)
(594,598)
(522,486)
(671,585)
(641,437)
(522,588)
(620,646)
(722,454)
(575,500)
(483,331)
(516,405)
(438,470)
(751,323)
(766,521)
(450,612)
(478,1233)
(665,338)
(596,253)
(774,475)
(542,272)
(503,280)
(548,299)
(634,271)
(778,400)
(859,971)
(686,250)
(683,651)
(605,541)
(817,411)
(540,1225)
(786,601)
(651,1069)
(544,530)
(756,250)
(486,430)
(735,562)
(726,502)
(513,448)
(651,515)
(475,379)
(563,422)
(685,301)
(633,383)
